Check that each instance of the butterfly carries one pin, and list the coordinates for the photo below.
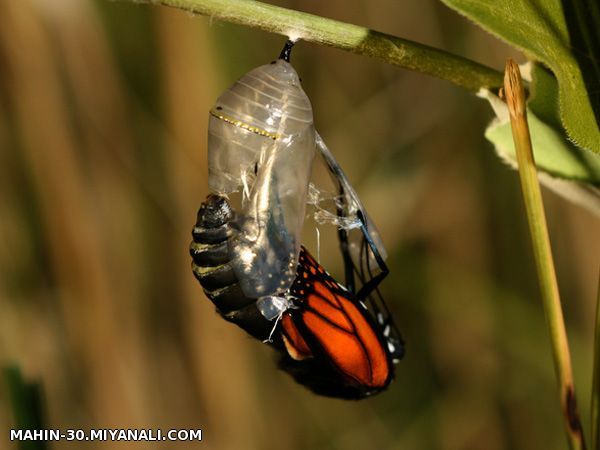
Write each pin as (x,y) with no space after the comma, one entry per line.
(334,341)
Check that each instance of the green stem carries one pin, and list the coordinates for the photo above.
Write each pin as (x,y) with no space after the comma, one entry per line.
(353,38)
(596,380)
(515,99)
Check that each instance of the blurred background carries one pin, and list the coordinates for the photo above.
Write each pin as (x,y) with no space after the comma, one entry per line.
(103,130)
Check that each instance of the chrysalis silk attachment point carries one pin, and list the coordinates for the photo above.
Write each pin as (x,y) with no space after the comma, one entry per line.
(261,129)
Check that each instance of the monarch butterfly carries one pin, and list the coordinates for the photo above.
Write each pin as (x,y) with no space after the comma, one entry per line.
(327,337)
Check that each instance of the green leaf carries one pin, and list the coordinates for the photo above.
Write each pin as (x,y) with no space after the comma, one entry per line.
(570,171)
(540,30)
(543,100)
(553,154)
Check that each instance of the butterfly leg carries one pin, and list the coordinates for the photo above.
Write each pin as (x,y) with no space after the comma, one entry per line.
(374,282)
(348,263)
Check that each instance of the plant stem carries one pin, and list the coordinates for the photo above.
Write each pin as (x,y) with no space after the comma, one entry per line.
(515,98)
(353,38)
(595,415)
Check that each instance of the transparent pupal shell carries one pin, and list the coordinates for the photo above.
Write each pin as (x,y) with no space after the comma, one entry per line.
(352,204)
(261,137)
(264,252)
(262,108)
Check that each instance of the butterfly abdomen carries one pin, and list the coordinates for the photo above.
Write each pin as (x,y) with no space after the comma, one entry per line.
(210,256)
(211,266)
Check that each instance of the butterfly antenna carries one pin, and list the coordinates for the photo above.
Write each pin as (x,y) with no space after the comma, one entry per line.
(287,50)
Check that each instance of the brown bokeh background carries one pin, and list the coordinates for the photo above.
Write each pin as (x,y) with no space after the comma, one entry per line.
(103,125)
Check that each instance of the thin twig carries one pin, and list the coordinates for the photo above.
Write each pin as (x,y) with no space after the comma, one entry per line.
(515,98)
(356,39)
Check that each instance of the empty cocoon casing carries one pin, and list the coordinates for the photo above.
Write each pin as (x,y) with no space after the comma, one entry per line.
(262,139)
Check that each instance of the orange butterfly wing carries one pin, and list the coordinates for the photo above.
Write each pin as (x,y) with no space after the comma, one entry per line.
(330,317)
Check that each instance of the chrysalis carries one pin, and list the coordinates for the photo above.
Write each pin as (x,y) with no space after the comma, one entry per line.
(262,140)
